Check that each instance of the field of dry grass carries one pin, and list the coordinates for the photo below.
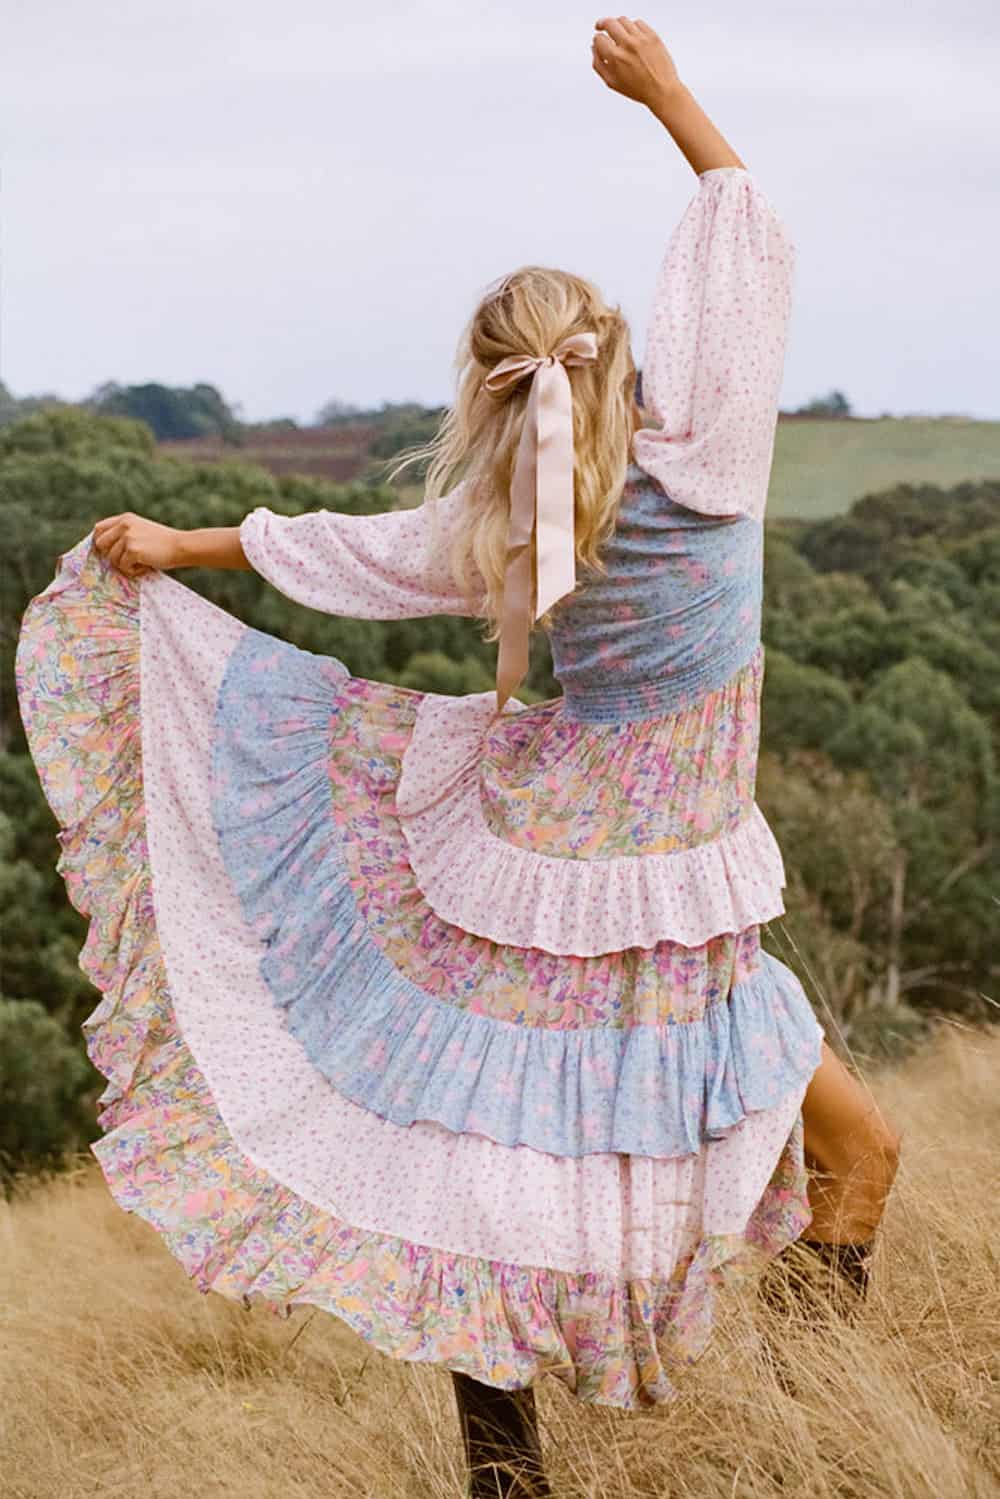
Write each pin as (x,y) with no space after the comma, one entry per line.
(118,1380)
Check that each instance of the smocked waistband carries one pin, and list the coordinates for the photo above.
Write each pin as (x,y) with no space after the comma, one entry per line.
(635,701)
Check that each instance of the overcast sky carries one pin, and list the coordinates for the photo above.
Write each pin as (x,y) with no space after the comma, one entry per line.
(302,201)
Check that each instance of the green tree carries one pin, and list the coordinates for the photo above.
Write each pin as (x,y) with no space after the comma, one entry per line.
(433,671)
(929,757)
(74,432)
(838,844)
(803,706)
(14,409)
(47,1091)
(338,414)
(834,404)
(171,412)
(882,528)
(42,932)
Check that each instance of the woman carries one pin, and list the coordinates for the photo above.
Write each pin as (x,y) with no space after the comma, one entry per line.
(450,1015)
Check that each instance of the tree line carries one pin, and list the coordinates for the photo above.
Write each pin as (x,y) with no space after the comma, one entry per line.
(177,413)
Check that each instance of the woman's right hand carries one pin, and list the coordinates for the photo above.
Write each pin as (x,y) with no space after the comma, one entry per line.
(632,60)
(135,545)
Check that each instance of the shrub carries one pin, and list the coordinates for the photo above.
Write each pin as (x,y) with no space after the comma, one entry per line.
(46,1084)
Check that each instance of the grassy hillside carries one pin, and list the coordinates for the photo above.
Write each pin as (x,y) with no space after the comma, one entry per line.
(118,1381)
(820,467)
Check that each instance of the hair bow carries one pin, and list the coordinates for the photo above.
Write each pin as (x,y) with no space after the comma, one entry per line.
(541,499)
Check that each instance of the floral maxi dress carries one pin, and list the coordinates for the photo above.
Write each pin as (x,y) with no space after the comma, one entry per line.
(455,1023)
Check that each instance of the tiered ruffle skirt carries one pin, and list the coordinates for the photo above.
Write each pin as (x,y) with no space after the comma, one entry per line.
(454,1024)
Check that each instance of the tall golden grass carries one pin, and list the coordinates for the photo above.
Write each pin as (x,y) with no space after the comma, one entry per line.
(118,1380)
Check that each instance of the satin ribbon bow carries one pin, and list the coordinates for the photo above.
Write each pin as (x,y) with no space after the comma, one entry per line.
(541,499)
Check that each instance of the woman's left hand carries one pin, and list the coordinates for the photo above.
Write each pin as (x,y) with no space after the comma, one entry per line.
(136,546)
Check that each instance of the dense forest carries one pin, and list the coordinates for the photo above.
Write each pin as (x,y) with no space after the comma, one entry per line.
(878,768)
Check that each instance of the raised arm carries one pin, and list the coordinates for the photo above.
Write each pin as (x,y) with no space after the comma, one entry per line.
(715,350)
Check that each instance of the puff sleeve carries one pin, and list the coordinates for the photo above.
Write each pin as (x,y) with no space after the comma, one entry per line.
(715,349)
(389,566)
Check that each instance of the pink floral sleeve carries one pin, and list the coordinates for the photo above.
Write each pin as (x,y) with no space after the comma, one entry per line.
(389,566)
(716,347)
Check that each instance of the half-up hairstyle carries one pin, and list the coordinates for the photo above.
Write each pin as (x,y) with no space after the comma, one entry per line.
(530,312)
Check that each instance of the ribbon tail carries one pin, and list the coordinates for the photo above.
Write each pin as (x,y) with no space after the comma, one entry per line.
(555,547)
(541,534)
(515,624)
(514,653)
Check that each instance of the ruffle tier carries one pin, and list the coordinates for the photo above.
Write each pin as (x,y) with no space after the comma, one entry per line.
(650,1090)
(515,895)
(261,1179)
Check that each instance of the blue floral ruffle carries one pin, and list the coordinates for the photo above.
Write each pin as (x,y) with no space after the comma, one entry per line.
(387,1045)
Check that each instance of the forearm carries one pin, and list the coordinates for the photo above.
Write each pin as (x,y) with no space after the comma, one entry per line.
(702,144)
(211,546)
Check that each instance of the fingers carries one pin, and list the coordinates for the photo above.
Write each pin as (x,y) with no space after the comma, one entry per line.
(108,530)
(603,50)
(111,538)
(617,43)
(622,30)
(108,521)
(619,28)
(116,555)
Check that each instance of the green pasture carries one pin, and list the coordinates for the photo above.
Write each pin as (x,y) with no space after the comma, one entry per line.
(821,467)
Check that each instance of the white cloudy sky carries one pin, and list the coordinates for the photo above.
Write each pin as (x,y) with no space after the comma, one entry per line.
(300,201)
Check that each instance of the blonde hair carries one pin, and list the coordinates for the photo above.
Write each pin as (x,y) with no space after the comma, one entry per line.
(530,312)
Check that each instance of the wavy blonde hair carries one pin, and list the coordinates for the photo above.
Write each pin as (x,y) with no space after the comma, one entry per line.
(530,312)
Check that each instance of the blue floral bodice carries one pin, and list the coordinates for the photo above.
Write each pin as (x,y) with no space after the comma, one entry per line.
(675,614)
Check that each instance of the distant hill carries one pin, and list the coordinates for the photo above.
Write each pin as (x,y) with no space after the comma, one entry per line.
(821,464)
